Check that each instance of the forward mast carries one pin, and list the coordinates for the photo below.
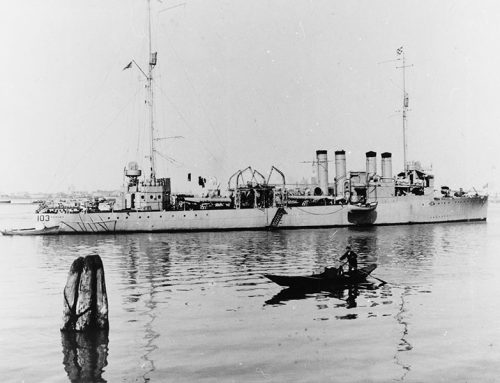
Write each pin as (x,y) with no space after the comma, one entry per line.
(152,64)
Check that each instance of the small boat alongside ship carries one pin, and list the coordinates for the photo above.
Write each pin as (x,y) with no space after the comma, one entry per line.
(46,230)
(363,207)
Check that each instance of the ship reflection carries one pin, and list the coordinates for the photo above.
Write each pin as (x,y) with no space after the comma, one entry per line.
(348,294)
(85,355)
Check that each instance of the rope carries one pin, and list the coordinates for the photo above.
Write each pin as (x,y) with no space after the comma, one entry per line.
(333,212)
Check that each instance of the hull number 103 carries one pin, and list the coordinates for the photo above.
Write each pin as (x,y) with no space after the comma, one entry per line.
(43,218)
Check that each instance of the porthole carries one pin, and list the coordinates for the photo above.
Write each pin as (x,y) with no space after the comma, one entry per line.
(142,197)
(150,197)
(139,216)
(159,197)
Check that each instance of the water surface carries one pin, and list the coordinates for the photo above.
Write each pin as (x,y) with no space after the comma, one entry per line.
(195,307)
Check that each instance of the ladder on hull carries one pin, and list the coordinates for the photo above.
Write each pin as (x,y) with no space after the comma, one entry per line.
(277,218)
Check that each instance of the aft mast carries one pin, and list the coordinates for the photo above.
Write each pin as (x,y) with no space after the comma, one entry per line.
(401,53)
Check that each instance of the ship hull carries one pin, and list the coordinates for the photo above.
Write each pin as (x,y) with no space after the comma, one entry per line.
(391,211)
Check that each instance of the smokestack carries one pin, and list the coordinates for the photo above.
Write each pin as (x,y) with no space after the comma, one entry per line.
(322,159)
(371,165)
(340,171)
(386,166)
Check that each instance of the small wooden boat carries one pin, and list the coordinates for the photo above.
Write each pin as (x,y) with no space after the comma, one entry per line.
(47,230)
(328,279)
(366,207)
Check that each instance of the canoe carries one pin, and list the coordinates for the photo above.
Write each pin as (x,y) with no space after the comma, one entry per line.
(325,280)
(32,231)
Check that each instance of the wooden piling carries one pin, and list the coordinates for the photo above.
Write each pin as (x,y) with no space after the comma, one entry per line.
(85,297)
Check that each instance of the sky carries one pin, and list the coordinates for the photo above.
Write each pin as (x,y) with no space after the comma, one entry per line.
(245,83)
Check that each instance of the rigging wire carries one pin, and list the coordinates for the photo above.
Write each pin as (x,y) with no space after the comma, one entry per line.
(171,7)
(203,106)
(97,95)
(183,118)
(173,161)
(77,160)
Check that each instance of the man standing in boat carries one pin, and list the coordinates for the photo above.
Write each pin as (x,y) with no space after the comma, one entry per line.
(351,257)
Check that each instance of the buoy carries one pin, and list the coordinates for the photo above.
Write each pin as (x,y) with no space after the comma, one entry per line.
(85,297)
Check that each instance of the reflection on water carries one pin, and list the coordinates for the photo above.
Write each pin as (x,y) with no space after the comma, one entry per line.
(352,294)
(347,293)
(404,344)
(150,334)
(85,355)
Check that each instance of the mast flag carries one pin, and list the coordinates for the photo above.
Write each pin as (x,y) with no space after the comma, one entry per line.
(399,50)
(128,66)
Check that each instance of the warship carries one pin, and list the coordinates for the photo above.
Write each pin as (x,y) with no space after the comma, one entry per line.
(355,198)
(372,196)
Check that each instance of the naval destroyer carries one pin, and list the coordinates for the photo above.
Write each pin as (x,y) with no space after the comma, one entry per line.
(355,198)
(373,196)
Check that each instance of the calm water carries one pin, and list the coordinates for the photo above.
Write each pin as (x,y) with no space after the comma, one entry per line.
(194,307)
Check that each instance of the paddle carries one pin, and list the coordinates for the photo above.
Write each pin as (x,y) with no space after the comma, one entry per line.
(342,265)
(369,275)
(378,279)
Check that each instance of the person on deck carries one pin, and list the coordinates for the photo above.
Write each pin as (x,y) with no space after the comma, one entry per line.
(351,257)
